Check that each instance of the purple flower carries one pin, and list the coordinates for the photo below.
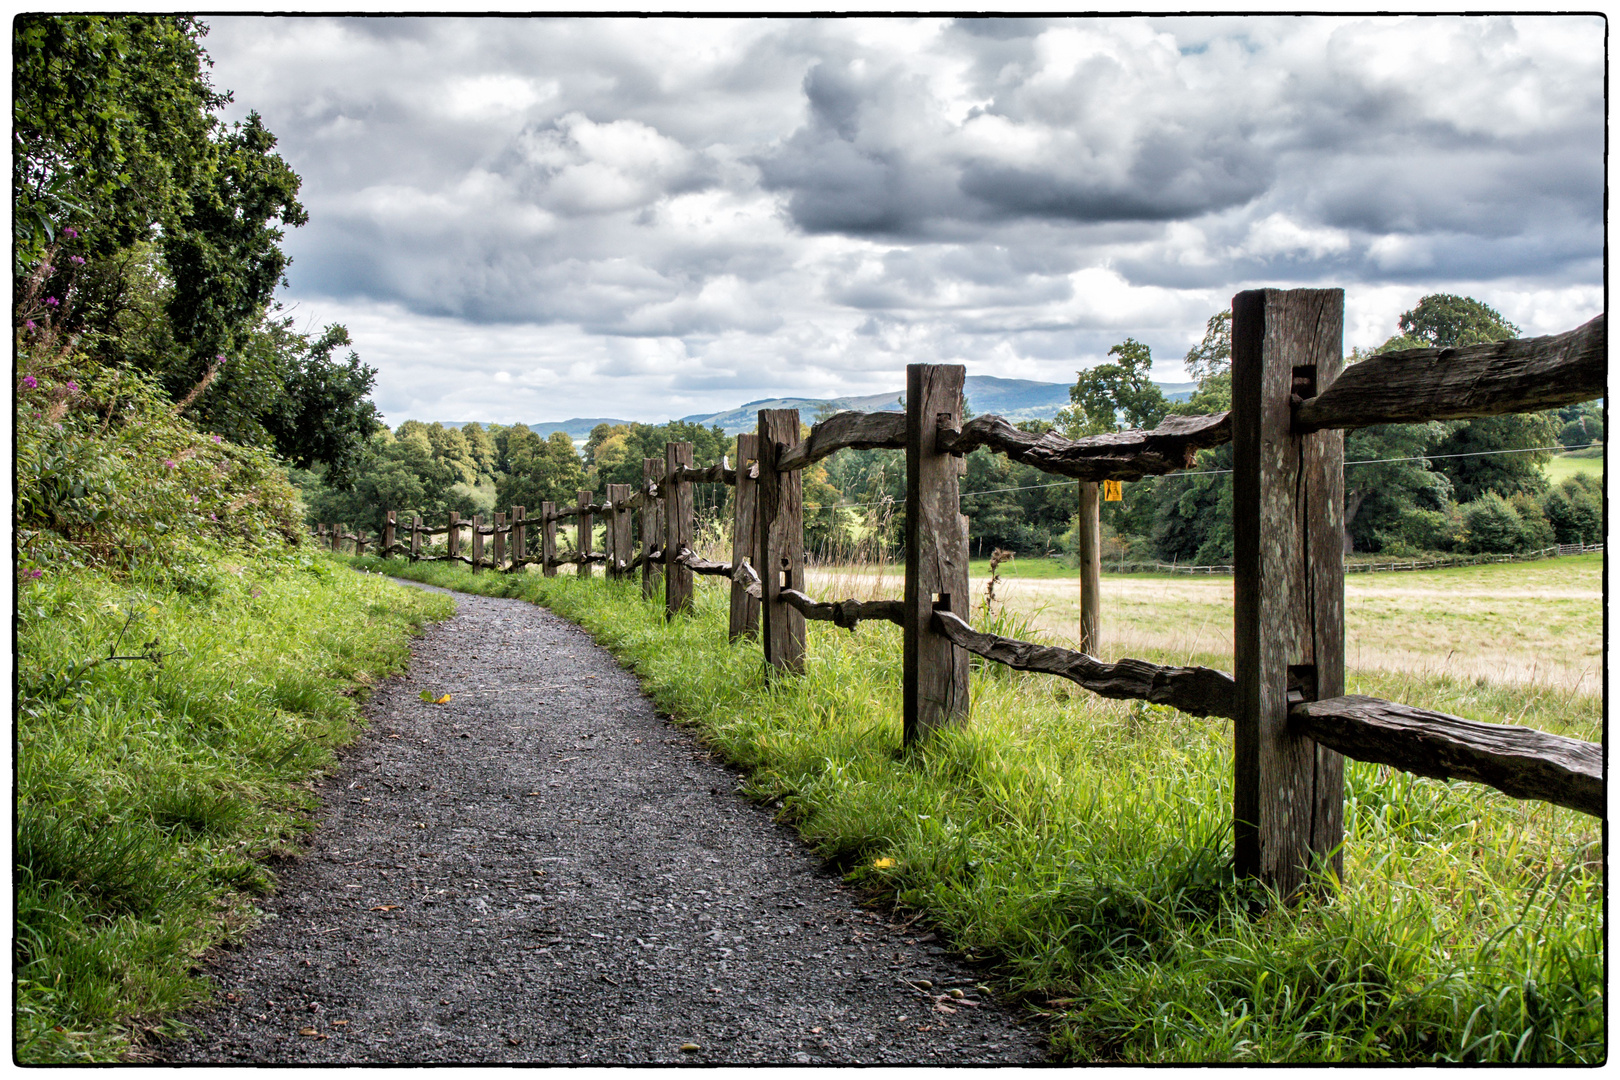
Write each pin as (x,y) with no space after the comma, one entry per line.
(76,260)
(36,574)
(70,232)
(211,517)
(28,380)
(51,301)
(168,464)
(31,325)
(218,439)
(72,387)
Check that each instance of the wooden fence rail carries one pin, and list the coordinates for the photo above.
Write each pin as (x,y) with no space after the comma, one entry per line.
(1292,722)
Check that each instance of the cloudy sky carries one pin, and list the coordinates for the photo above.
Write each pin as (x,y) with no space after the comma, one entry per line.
(530,220)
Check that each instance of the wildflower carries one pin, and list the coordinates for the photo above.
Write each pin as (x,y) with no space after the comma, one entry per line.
(76,260)
(28,380)
(51,301)
(72,387)
(31,325)
(211,517)
(36,574)
(70,232)
(217,439)
(168,464)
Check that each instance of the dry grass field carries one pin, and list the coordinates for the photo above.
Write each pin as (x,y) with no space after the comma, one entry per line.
(1530,624)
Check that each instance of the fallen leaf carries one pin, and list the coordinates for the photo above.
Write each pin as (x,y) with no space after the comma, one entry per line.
(689,1047)
(882,864)
(387,907)
(339,1023)
(531,793)
(441,700)
(308,1031)
(940,1006)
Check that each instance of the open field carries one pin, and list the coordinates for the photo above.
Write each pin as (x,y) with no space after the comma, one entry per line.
(1533,623)
(1563,466)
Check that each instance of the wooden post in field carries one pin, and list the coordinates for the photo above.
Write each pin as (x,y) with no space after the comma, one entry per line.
(652,527)
(416,536)
(582,533)
(548,539)
(388,535)
(359,541)
(744,539)
(1089,533)
(337,538)
(677,529)
(935,680)
(1288,587)
(498,560)
(623,544)
(452,539)
(520,548)
(477,542)
(779,506)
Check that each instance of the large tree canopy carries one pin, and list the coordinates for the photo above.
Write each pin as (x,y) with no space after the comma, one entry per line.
(148,234)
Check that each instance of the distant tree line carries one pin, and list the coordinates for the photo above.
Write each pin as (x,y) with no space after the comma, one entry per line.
(1409,488)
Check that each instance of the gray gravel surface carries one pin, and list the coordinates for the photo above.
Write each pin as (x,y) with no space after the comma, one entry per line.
(546,870)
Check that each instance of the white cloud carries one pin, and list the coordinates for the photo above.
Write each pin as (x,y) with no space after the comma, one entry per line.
(525,219)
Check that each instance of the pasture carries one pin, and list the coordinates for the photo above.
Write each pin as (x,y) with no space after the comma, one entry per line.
(1563,466)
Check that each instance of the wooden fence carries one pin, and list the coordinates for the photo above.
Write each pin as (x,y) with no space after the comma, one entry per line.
(1291,401)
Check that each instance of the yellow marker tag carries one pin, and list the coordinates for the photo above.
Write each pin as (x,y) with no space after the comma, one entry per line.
(1113,491)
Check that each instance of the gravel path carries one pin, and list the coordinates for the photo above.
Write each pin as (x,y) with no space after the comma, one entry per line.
(546,870)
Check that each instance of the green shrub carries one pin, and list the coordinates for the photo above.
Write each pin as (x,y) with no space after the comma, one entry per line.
(1575,510)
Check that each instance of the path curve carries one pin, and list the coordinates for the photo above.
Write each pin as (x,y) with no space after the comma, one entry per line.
(545,870)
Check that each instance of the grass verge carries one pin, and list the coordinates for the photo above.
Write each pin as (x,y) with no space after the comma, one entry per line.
(1084,848)
(152,790)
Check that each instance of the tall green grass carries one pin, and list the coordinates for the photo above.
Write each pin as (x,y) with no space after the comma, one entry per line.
(1084,848)
(151,791)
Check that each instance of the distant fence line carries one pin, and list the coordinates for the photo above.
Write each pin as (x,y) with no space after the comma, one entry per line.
(1292,398)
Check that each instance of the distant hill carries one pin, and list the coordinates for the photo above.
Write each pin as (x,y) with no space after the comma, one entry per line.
(1015,399)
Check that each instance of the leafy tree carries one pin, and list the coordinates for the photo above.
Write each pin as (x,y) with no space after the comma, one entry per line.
(1574,509)
(1467,453)
(148,234)
(1444,320)
(540,470)
(1116,396)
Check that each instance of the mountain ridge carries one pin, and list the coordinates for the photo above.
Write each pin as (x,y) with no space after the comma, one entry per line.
(1016,400)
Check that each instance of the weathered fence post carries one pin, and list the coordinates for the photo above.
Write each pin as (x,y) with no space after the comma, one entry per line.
(416,536)
(677,529)
(498,560)
(779,506)
(1088,531)
(548,539)
(388,535)
(520,548)
(744,539)
(585,525)
(624,544)
(477,542)
(652,525)
(452,539)
(359,541)
(1288,587)
(337,538)
(935,688)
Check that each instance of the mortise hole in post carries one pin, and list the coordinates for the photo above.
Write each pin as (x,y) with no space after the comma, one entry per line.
(1305,381)
(786,584)
(942,601)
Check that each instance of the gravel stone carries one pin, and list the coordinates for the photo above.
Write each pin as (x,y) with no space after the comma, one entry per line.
(546,870)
